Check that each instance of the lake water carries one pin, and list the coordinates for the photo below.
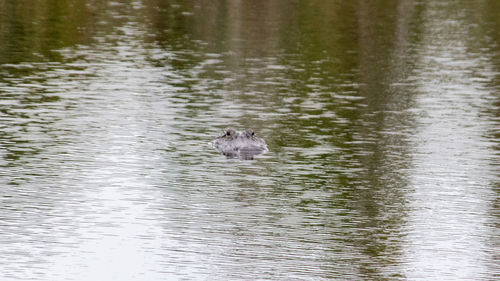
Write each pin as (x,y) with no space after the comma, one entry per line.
(382,120)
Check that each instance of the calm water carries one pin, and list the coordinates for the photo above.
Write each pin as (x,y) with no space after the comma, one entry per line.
(382,119)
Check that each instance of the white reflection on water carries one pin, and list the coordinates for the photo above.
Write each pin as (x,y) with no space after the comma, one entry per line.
(448,227)
(114,180)
(94,221)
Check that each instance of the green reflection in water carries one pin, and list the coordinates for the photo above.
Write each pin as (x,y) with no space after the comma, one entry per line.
(330,84)
(326,71)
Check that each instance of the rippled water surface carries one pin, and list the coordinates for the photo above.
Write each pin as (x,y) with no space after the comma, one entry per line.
(382,120)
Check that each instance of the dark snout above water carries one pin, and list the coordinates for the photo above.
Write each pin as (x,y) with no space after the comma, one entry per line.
(373,153)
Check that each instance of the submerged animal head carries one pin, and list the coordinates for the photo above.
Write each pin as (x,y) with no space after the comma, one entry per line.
(239,144)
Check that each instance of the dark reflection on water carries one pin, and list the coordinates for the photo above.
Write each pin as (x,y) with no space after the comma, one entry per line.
(381,120)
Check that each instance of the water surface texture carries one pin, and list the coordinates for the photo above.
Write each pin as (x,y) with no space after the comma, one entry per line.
(382,120)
